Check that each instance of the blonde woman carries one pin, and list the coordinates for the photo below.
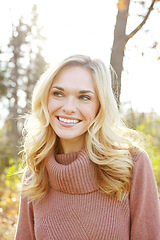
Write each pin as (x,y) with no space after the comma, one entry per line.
(85,179)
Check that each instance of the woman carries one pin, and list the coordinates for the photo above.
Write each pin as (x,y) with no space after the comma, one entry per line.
(85,178)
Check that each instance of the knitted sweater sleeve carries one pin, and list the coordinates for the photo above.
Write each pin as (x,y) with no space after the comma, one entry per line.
(144,204)
(25,227)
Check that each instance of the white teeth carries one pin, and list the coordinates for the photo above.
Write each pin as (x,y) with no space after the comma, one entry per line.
(68,120)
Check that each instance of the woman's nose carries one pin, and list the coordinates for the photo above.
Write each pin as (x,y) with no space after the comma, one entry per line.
(69,105)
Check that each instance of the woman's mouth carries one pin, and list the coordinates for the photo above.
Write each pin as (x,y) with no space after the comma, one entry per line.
(68,120)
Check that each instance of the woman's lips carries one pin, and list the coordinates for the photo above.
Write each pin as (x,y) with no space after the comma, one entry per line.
(68,122)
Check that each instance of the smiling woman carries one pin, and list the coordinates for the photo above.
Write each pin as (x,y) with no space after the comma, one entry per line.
(85,178)
(71,108)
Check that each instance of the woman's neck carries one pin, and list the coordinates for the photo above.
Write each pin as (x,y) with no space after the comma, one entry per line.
(69,146)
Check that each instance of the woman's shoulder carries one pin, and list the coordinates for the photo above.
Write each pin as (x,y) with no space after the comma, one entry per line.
(138,154)
(141,163)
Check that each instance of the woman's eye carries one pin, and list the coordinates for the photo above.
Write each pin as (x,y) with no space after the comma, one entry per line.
(57,94)
(85,97)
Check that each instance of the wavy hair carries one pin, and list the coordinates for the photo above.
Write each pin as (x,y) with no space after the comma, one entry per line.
(108,141)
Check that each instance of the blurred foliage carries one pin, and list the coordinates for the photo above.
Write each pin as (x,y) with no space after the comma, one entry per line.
(149,125)
(6,146)
(152,132)
(9,199)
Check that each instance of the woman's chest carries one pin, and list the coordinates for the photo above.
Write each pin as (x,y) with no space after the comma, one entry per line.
(81,217)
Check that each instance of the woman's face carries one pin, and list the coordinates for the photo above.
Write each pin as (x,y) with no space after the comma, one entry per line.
(72,103)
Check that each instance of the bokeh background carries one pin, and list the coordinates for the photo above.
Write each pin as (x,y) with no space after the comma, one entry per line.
(38,34)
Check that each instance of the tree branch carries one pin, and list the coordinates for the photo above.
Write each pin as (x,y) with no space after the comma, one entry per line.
(142,23)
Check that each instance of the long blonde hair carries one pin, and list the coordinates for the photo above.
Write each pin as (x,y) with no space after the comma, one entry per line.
(108,141)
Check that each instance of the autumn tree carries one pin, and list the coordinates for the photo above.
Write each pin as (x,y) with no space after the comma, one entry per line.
(121,39)
(23,68)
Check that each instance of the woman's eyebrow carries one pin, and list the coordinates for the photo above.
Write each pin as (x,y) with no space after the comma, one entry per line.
(86,91)
(59,88)
(81,91)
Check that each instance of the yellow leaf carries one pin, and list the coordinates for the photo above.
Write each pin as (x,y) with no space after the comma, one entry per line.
(155,45)
(122,4)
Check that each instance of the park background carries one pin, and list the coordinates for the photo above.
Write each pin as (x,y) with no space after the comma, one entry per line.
(37,34)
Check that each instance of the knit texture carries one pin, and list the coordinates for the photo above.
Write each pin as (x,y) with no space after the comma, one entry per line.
(75,210)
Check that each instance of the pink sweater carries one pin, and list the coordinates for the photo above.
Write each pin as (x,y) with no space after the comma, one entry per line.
(74,210)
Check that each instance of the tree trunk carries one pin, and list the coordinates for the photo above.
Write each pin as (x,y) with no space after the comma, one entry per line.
(120,40)
(118,48)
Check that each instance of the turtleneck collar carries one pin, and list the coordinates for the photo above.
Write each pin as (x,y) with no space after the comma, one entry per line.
(72,173)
